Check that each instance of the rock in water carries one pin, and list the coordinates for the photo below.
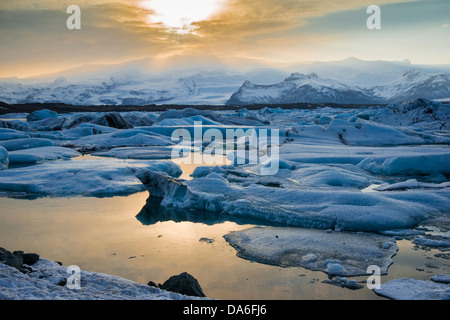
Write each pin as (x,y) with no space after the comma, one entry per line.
(185,284)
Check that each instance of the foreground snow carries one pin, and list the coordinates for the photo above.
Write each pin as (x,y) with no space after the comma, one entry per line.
(47,281)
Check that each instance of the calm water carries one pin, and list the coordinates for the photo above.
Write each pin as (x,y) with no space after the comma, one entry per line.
(140,241)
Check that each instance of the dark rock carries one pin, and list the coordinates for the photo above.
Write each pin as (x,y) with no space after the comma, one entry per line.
(14,261)
(18,253)
(185,284)
(62,283)
(152,284)
(4,254)
(30,258)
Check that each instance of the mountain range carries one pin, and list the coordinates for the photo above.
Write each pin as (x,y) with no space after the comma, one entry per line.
(350,81)
(300,88)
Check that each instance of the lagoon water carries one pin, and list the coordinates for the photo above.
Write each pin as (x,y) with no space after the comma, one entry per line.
(134,238)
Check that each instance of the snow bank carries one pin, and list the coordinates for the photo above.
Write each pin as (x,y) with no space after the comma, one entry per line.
(42,284)
(94,178)
(335,253)
(414,289)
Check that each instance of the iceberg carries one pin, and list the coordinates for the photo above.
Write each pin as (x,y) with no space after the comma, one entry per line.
(26,143)
(412,184)
(90,178)
(335,253)
(238,192)
(40,154)
(424,164)
(414,289)
(9,134)
(122,138)
(138,153)
(41,115)
(4,161)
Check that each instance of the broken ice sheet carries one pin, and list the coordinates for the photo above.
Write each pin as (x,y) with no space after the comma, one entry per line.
(335,253)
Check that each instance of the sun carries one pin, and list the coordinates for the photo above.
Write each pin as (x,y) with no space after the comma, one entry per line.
(179,15)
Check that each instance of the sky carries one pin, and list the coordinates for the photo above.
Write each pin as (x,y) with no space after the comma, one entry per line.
(34,38)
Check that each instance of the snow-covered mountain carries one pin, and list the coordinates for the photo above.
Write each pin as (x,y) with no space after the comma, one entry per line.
(413,84)
(114,90)
(143,83)
(300,88)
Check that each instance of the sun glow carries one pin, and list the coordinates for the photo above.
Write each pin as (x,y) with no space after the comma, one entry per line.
(180,15)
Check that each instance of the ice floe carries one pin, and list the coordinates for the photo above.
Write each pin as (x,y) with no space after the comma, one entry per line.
(414,289)
(26,143)
(139,153)
(335,253)
(4,160)
(283,200)
(80,178)
(40,154)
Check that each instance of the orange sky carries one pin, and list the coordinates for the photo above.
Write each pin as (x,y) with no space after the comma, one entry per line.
(35,39)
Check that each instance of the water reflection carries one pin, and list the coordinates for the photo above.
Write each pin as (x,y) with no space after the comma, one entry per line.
(153,213)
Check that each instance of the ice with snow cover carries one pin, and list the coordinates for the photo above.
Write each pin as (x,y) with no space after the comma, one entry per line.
(234,191)
(335,253)
(86,178)
(414,289)
(42,284)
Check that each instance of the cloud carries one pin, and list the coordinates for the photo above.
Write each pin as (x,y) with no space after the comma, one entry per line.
(34,36)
